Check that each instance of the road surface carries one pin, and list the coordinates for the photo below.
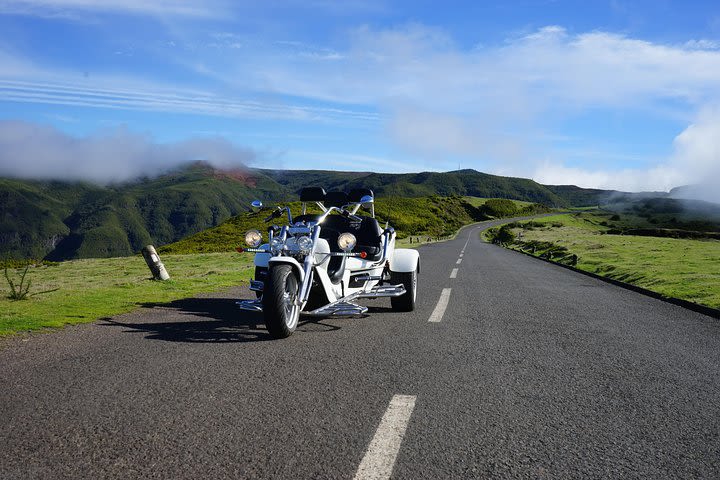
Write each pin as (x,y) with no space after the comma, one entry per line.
(509,368)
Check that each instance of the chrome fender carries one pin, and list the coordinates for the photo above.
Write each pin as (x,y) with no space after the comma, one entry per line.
(296,266)
(405,260)
(261,259)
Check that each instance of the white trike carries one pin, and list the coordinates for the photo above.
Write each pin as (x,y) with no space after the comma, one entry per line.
(320,264)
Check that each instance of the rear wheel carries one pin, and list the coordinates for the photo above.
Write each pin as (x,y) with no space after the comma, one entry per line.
(280,306)
(406,301)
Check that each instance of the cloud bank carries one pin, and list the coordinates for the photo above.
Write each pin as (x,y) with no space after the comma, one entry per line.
(35,151)
(493,106)
(492,103)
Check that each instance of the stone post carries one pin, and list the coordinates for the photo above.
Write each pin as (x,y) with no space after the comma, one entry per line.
(153,262)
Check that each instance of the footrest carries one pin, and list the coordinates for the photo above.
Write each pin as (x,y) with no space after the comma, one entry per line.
(384,291)
(250,305)
(338,309)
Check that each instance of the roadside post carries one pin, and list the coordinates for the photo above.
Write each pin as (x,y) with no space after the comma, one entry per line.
(153,262)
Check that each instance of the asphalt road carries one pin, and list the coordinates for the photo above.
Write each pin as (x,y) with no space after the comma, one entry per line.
(532,371)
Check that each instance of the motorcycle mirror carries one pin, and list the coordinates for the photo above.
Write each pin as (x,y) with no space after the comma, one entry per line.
(256,205)
(367,201)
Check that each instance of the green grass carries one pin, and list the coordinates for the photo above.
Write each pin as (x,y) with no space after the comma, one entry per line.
(95,288)
(423,217)
(680,268)
(478,202)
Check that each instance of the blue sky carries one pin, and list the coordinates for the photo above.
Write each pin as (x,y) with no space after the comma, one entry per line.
(612,94)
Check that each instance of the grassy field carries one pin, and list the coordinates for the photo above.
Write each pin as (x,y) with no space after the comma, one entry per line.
(94,288)
(680,268)
(478,202)
(89,289)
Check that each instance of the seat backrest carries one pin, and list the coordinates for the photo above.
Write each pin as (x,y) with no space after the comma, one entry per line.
(369,232)
(332,227)
(312,194)
(356,194)
(336,198)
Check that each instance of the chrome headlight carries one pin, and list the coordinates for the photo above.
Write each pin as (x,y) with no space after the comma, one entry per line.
(346,241)
(253,238)
(304,243)
(276,245)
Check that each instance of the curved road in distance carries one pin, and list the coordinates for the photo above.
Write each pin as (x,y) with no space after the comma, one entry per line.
(527,370)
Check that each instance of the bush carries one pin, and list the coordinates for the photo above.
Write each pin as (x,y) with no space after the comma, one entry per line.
(499,207)
(505,235)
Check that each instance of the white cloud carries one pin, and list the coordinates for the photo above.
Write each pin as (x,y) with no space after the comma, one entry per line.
(353,162)
(695,160)
(438,99)
(129,94)
(702,44)
(68,8)
(660,178)
(489,102)
(36,151)
(549,67)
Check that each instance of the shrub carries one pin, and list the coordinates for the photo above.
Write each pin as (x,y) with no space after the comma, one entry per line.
(19,291)
(505,235)
(499,207)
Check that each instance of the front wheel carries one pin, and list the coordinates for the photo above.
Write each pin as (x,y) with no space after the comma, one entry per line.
(280,306)
(406,301)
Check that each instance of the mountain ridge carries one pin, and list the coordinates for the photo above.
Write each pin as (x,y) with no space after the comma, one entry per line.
(59,220)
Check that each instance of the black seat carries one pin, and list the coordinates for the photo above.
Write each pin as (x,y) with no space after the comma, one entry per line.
(369,238)
(331,228)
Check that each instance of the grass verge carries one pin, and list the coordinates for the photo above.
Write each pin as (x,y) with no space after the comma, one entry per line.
(673,267)
(94,288)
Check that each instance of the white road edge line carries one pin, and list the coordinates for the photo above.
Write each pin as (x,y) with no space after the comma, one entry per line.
(459,260)
(453,274)
(379,460)
(442,304)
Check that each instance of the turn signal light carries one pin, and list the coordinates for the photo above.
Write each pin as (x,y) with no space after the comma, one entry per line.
(363,254)
(239,249)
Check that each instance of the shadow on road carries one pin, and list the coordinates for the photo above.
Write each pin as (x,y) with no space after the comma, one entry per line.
(227,322)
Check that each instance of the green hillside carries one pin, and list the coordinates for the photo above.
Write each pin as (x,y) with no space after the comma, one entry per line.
(66,220)
(61,221)
(433,216)
(460,182)
(32,215)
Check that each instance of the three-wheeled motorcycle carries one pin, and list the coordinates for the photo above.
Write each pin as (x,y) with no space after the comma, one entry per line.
(321,264)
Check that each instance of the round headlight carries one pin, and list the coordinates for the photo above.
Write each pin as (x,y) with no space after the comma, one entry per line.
(304,243)
(276,245)
(346,241)
(253,238)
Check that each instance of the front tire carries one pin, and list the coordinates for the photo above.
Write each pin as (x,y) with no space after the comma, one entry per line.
(406,301)
(279,301)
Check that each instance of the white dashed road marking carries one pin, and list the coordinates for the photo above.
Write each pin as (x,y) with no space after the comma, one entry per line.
(459,260)
(380,457)
(467,241)
(453,274)
(442,304)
